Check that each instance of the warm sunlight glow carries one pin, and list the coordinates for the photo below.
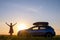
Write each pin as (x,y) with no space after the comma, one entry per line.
(22,27)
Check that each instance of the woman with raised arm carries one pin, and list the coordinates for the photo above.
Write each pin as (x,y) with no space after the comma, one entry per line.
(11,28)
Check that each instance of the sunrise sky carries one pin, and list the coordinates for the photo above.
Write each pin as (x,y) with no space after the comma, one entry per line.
(27,12)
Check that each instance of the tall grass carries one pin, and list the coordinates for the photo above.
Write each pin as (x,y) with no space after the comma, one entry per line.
(6,37)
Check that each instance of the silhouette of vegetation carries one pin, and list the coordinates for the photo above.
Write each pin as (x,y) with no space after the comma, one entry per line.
(6,37)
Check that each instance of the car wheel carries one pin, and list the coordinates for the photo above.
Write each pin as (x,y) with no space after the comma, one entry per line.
(49,35)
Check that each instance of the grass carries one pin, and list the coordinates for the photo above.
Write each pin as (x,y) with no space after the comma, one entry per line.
(6,37)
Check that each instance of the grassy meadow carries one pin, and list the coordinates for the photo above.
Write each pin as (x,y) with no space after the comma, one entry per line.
(6,37)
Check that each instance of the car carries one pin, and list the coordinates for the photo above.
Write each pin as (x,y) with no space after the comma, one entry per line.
(46,31)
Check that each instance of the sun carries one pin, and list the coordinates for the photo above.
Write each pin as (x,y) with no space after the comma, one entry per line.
(22,27)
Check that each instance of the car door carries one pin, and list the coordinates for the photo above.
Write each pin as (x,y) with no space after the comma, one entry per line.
(42,30)
(34,31)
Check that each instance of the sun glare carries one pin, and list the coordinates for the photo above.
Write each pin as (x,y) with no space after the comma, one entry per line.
(22,27)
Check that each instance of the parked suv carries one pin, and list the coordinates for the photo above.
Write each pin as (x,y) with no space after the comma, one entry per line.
(39,29)
(46,31)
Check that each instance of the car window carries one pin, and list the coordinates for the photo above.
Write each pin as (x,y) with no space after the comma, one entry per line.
(35,28)
(42,28)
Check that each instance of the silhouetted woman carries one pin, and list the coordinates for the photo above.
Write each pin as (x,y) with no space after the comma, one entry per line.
(11,28)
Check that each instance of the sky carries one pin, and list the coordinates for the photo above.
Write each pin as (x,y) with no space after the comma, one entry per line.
(28,12)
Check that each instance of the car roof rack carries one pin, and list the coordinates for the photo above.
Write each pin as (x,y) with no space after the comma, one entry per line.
(41,23)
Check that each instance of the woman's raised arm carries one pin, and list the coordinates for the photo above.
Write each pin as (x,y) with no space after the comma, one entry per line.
(14,24)
(7,24)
